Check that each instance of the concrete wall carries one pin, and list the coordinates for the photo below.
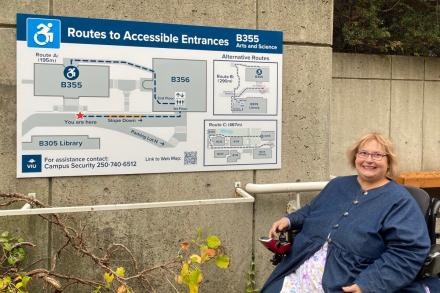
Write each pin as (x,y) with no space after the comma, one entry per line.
(153,234)
(398,96)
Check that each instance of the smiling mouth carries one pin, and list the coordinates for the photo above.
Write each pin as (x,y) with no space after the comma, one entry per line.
(369,167)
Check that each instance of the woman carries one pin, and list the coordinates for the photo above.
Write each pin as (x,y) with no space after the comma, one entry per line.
(362,233)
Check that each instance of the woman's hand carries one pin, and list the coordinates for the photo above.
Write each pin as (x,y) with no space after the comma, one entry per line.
(279,226)
(353,288)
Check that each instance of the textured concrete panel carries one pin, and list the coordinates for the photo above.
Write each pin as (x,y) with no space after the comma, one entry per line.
(30,228)
(146,188)
(357,107)
(8,180)
(432,68)
(404,67)
(361,66)
(406,123)
(11,8)
(154,236)
(222,13)
(7,56)
(8,119)
(306,95)
(431,129)
(301,20)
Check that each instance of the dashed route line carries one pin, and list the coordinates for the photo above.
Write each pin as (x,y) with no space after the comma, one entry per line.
(129,64)
(134,116)
(241,147)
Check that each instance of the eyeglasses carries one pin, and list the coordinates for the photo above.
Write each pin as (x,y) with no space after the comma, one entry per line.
(375,156)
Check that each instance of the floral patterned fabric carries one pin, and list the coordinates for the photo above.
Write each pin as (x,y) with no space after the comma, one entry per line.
(308,277)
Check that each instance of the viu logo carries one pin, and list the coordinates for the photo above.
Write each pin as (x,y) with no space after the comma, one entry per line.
(43,33)
(31,163)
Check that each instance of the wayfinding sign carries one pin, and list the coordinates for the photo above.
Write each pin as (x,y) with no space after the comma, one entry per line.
(97,97)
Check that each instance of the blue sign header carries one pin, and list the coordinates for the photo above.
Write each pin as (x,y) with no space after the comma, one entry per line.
(44,31)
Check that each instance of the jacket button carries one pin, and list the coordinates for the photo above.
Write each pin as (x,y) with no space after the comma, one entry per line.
(355,202)
(365,193)
(336,226)
(345,214)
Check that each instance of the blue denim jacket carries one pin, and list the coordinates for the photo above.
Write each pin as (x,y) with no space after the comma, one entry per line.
(377,239)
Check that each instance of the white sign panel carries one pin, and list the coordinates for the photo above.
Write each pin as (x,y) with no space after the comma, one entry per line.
(98,97)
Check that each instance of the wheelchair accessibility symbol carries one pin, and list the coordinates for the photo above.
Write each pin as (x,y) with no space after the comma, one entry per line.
(71,72)
(43,33)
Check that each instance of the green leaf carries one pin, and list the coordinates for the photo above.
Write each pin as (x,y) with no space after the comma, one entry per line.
(12,260)
(108,277)
(20,253)
(7,246)
(120,272)
(16,255)
(97,290)
(185,269)
(195,258)
(184,272)
(222,261)
(195,277)
(199,234)
(213,241)
(25,280)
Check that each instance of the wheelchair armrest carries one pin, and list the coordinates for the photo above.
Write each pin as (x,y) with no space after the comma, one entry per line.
(277,258)
(431,266)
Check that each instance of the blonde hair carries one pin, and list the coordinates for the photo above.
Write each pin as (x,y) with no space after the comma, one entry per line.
(382,140)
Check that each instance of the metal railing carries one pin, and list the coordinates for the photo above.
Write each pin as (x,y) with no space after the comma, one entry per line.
(242,196)
(297,187)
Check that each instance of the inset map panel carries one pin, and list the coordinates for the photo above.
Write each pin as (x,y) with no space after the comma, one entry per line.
(243,88)
(240,142)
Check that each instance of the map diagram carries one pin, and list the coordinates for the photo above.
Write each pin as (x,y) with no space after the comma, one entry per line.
(240,142)
(245,88)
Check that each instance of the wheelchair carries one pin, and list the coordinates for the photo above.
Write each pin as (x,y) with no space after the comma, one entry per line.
(430,208)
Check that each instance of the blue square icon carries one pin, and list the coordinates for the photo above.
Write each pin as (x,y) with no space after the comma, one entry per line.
(43,33)
(30,163)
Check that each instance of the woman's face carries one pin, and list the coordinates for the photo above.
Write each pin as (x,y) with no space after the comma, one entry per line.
(368,168)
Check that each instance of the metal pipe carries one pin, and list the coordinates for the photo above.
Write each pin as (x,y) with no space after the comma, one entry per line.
(26,205)
(244,194)
(245,198)
(285,187)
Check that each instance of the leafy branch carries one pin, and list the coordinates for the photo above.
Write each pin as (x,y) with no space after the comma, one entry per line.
(186,266)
